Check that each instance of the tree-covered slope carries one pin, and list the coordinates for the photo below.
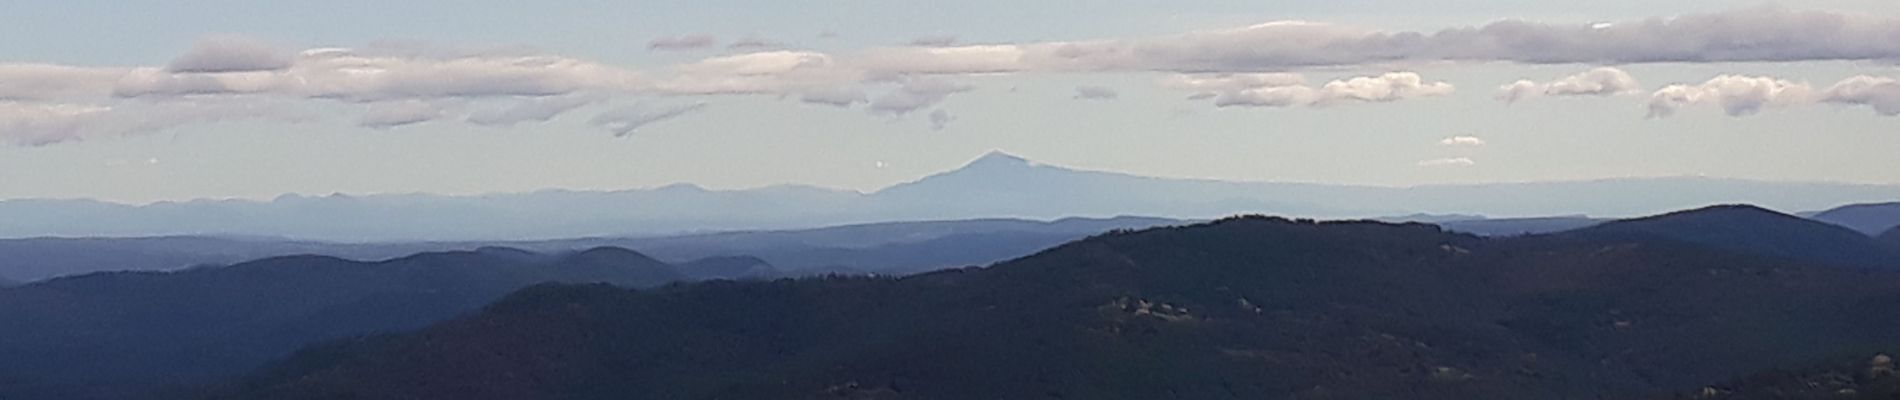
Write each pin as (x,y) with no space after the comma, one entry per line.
(112,335)
(1240,308)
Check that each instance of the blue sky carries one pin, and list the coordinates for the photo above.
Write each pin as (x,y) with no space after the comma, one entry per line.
(228,99)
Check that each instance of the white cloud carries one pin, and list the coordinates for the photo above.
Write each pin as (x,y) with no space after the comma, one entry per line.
(399,113)
(1881,93)
(50,82)
(940,119)
(230,53)
(753,42)
(625,120)
(1096,93)
(683,42)
(1465,140)
(935,41)
(1762,34)
(1244,66)
(917,93)
(942,60)
(43,123)
(1286,90)
(1388,87)
(346,74)
(842,96)
(1738,95)
(771,72)
(1448,162)
(535,109)
(1603,81)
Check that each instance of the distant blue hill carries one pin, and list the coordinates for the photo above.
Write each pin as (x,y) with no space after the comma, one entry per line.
(1871,219)
(996,185)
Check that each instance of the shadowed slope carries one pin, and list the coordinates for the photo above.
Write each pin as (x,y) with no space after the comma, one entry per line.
(1754,230)
(109,334)
(1870,219)
(1240,308)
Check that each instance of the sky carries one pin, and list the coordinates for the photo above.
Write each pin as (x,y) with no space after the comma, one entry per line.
(138,102)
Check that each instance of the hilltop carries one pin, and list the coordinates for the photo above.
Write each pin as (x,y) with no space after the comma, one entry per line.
(1248,307)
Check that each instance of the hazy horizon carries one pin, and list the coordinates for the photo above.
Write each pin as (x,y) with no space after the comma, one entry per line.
(482,100)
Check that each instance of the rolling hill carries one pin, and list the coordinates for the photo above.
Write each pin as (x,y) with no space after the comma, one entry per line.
(1248,307)
(1754,230)
(113,335)
(1871,219)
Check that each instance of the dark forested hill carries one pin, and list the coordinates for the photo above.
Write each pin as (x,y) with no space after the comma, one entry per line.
(1851,378)
(1240,308)
(109,335)
(1754,230)
(1891,238)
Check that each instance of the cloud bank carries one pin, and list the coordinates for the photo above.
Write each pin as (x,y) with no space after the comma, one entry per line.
(1252,66)
(683,42)
(1603,81)
(1462,141)
(1740,95)
(625,121)
(1287,90)
(1447,162)
(1096,93)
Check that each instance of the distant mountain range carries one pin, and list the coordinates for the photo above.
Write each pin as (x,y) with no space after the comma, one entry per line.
(996,185)
(1246,307)
(121,335)
(889,248)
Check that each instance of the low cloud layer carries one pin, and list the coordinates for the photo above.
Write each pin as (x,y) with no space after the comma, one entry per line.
(1880,93)
(1252,66)
(1763,34)
(624,121)
(1096,93)
(399,113)
(916,94)
(1596,82)
(940,119)
(1447,162)
(230,53)
(39,123)
(1739,95)
(683,42)
(533,109)
(1462,141)
(1287,90)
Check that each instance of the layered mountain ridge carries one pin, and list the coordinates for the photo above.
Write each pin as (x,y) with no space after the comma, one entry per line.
(1247,307)
(995,185)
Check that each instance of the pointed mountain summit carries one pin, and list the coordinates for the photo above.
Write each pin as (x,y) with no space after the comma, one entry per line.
(1759,231)
(997,165)
(999,159)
